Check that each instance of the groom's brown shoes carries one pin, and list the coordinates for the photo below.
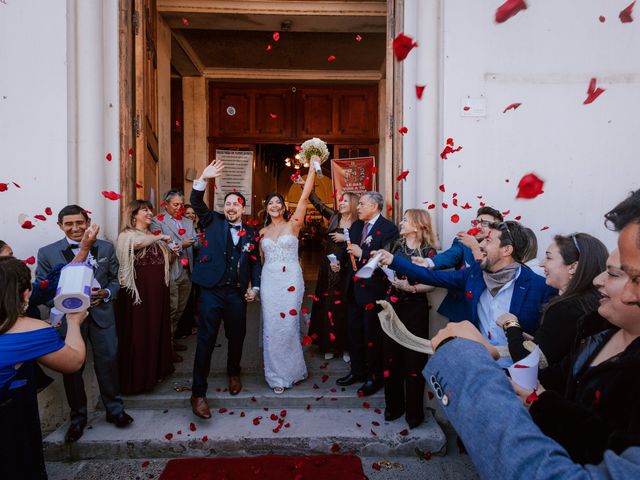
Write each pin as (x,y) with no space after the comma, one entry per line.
(200,407)
(235,385)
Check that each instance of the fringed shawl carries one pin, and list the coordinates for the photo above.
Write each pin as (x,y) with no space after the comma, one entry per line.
(126,258)
(393,326)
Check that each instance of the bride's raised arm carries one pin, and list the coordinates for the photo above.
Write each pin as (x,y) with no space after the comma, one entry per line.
(297,219)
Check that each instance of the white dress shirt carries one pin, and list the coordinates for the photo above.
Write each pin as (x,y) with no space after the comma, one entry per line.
(490,308)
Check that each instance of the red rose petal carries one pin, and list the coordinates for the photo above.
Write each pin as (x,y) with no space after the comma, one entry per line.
(130,152)
(513,106)
(111,195)
(16,185)
(403,175)
(402,45)
(283,315)
(27,225)
(404,432)
(358,38)
(145,464)
(293,312)
(544,228)
(48,211)
(160,217)
(291,288)
(41,217)
(30,261)
(455,218)
(420,91)
(268,48)
(275,36)
(592,92)
(335,448)
(530,186)
(306,340)
(182,231)
(169,436)
(185,22)
(109,157)
(508,9)
(273,115)
(366,405)
(4,187)
(403,130)
(469,294)
(625,15)
(375,466)
(192,427)
(331,58)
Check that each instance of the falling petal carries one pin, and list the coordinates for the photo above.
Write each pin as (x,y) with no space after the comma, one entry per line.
(513,106)
(420,91)
(508,9)
(625,15)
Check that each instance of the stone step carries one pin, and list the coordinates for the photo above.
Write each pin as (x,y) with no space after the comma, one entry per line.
(318,391)
(174,433)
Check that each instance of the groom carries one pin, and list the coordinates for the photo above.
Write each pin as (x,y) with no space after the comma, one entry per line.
(228,259)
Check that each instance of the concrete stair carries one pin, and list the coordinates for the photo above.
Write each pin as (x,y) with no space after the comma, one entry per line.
(316,416)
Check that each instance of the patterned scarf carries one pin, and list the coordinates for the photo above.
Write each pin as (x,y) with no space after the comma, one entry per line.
(496,280)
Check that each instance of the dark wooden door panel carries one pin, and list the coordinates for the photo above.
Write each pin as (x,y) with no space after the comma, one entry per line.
(356,116)
(273,113)
(234,114)
(315,114)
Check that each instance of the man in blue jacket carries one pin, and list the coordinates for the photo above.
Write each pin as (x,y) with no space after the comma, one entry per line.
(497,284)
(498,432)
(462,254)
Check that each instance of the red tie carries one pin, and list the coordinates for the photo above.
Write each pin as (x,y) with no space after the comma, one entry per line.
(365,232)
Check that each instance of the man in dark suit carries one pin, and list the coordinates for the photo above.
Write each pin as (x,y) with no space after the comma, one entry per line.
(227,261)
(100,325)
(496,285)
(370,232)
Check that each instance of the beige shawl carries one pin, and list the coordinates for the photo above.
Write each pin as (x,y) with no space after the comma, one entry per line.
(392,326)
(126,257)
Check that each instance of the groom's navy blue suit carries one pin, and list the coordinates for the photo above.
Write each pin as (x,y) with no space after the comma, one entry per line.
(223,271)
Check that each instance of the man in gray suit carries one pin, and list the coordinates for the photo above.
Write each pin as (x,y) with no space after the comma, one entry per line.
(100,325)
(183,234)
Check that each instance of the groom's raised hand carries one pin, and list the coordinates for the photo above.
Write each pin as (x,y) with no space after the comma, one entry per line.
(213,170)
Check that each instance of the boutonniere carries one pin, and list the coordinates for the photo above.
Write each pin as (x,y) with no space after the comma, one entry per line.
(367,241)
(103,260)
(92,261)
(247,247)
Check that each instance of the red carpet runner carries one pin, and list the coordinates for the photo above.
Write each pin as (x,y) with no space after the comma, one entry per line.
(269,467)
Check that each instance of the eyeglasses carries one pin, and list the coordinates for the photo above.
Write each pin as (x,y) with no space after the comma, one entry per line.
(504,228)
(575,243)
(481,223)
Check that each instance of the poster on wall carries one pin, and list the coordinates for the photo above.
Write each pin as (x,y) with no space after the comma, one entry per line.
(236,176)
(353,175)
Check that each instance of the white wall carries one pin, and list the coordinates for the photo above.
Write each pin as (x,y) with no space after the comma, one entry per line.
(58,114)
(543,58)
(33,118)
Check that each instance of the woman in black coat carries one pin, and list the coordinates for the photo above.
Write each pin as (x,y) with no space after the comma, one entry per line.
(570,264)
(328,323)
(591,401)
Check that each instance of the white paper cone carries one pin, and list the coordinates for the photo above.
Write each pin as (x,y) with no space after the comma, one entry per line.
(525,372)
(333,260)
(370,267)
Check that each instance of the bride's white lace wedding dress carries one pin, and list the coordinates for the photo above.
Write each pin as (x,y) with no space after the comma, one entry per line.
(281,293)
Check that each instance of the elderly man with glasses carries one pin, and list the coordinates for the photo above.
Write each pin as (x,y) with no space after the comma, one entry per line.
(497,284)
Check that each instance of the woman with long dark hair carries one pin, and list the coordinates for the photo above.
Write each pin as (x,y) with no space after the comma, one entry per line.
(328,322)
(282,290)
(570,264)
(23,342)
(403,380)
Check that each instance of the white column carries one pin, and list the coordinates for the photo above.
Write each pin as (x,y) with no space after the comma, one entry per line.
(423,66)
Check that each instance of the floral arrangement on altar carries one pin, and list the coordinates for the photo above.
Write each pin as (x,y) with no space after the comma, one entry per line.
(316,151)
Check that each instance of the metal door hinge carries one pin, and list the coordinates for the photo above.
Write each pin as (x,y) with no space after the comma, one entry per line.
(136,22)
(136,124)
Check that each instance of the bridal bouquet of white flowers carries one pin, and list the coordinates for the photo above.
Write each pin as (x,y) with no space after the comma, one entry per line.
(316,151)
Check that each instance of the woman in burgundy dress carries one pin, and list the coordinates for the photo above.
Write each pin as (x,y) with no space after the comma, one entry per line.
(143,324)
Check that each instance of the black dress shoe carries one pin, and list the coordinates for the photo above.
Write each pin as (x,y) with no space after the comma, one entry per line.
(369,388)
(74,432)
(121,420)
(349,380)
(415,422)
(390,416)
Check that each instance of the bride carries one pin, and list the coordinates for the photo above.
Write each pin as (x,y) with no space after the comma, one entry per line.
(282,290)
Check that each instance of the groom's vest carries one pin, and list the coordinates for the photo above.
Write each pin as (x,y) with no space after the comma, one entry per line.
(232,255)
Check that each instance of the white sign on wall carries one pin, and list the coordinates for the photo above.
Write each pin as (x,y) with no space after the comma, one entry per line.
(236,176)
